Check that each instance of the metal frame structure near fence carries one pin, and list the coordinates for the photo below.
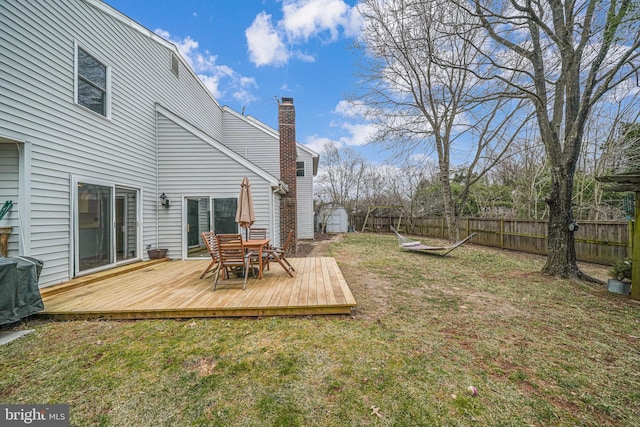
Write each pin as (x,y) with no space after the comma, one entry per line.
(601,242)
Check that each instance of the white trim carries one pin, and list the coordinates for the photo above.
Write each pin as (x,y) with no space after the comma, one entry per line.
(108,10)
(75,71)
(307,149)
(315,158)
(107,100)
(272,219)
(304,168)
(104,8)
(157,204)
(24,191)
(184,235)
(24,196)
(74,261)
(223,149)
(250,120)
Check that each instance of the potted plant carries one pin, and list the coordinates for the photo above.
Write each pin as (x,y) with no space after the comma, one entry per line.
(155,253)
(620,283)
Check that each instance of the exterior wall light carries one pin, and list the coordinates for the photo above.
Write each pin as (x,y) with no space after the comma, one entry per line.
(164,201)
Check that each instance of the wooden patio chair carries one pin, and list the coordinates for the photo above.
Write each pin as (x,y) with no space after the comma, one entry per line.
(209,238)
(257,233)
(231,254)
(275,254)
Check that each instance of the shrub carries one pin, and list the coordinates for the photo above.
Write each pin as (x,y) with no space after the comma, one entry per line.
(621,270)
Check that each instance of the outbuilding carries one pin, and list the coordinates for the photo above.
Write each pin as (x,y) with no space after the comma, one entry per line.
(333,218)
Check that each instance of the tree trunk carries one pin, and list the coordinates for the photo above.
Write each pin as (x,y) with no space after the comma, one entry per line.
(561,258)
(449,205)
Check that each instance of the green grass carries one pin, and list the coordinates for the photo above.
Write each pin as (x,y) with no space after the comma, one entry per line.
(540,350)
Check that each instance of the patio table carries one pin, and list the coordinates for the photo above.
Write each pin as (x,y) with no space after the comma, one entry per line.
(257,244)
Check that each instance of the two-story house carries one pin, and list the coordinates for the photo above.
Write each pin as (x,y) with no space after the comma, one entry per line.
(110,144)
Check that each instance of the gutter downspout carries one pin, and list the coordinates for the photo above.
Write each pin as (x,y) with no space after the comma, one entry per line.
(157,234)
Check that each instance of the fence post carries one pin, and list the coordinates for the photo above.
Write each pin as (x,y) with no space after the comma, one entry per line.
(635,254)
(630,237)
(501,233)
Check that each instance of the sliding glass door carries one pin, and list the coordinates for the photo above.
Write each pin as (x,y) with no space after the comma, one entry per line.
(198,220)
(126,224)
(94,226)
(106,226)
(224,215)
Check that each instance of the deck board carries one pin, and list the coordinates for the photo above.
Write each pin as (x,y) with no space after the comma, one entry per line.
(174,290)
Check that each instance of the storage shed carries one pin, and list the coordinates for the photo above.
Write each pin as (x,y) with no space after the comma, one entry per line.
(333,218)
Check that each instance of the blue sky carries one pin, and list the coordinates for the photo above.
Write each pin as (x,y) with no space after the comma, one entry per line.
(251,52)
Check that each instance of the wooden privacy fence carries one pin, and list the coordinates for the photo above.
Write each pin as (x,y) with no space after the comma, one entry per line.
(602,242)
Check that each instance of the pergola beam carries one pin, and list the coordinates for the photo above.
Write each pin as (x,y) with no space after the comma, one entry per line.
(630,182)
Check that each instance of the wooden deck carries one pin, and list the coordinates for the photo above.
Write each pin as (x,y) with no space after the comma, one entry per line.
(172,289)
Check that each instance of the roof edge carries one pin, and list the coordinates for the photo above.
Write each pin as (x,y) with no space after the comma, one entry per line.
(114,13)
(272,180)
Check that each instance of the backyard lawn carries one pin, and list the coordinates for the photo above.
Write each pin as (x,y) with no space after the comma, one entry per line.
(540,351)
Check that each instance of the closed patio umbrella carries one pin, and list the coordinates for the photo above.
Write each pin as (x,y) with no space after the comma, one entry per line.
(245,216)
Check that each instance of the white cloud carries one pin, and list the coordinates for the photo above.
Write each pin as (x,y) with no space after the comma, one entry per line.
(213,84)
(265,43)
(221,80)
(352,25)
(301,21)
(304,56)
(244,96)
(350,109)
(317,143)
(359,134)
(360,131)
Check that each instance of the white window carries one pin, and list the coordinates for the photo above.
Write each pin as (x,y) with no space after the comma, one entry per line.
(299,168)
(92,80)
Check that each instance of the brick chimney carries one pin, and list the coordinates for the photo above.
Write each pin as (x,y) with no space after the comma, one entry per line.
(288,202)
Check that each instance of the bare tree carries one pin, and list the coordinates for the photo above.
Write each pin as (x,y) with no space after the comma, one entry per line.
(607,149)
(341,176)
(563,56)
(374,188)
(403,183)
(525,171)
(422,104)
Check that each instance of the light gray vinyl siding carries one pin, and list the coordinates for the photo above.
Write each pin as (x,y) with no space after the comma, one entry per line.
(189,166)
(259,145)
(9,168)
(37,105)
(304,194)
